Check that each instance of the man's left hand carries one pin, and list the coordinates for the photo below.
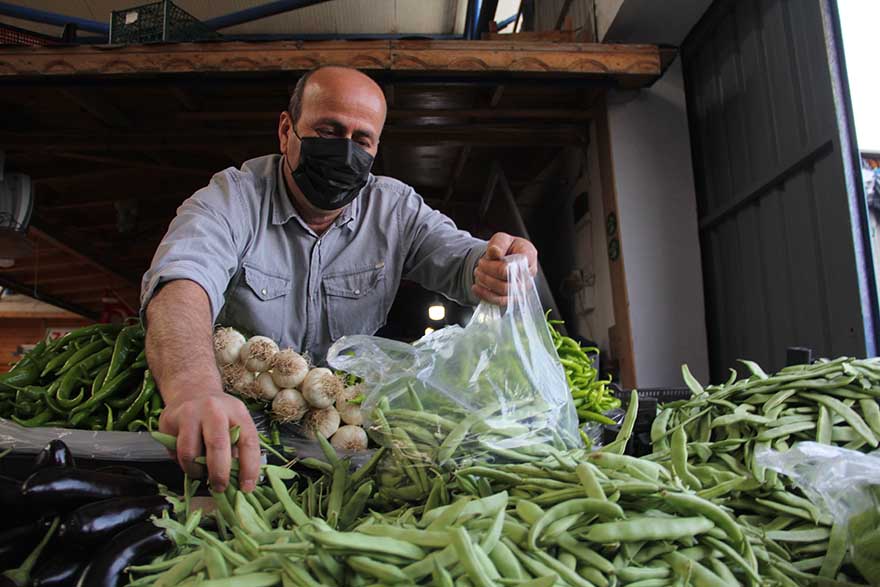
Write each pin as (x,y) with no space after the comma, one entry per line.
(490,275)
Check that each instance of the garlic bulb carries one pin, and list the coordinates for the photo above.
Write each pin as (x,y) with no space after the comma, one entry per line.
(289,406)
(350,413)
(323,421)
(320,387)
(227,345)
(267,387)
(231,373)
(245,384)
(257,353)
(288,369)
(349,438)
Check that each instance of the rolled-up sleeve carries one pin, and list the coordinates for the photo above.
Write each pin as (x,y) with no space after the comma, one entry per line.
(202,242)
(440,257)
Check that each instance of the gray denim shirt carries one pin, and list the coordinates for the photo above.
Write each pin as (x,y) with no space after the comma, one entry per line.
(266,272)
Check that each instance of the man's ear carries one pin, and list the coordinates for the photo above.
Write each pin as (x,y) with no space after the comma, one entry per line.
(284,125)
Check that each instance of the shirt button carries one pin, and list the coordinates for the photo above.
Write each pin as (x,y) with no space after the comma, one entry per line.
(263,291)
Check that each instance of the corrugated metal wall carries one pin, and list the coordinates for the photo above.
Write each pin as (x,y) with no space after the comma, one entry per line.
(779,233)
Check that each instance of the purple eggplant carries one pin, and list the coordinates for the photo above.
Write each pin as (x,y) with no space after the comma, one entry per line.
(96,522)
(66,488)
(16,543)
(61,570)
(127,471)
(55,454)
(136,544)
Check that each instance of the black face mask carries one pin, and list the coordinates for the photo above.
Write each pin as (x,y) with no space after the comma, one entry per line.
(331,172)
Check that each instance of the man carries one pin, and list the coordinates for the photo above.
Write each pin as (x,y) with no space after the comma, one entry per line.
(303,247)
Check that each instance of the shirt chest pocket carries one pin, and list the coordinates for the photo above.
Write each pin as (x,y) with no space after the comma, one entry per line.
(267,303)
(356,301)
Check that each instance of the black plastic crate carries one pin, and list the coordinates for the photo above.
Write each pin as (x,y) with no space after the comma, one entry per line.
(661,394)
(155,23)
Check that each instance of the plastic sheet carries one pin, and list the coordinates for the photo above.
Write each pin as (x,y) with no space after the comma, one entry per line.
(496,383)
(120,446)
(846,484)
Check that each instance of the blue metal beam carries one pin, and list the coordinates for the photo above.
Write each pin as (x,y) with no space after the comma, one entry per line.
(258,12)
(53,18)
(507,22)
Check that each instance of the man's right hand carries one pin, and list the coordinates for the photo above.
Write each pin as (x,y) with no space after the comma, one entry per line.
(201,423)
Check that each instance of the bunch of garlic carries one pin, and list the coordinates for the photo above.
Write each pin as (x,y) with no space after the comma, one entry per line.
(318,399)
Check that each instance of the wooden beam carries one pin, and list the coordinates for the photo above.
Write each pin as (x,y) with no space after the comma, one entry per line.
(489,191)
(185,97)
(623,349)
(139,164)
(60,302)
(96,103)
(457,169)
(470,57)
(407,114)
(55,239)
(526,135)
(497,94)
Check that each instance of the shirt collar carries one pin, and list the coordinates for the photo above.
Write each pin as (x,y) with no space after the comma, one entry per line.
(284,209)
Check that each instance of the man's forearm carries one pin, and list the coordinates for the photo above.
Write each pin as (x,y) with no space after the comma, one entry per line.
(179,340)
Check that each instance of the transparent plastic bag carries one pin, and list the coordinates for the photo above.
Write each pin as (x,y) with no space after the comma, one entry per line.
(493,390)
(846,484)
(87,444)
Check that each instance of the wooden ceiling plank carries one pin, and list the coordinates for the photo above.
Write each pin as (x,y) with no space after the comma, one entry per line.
(457,169)
(186,98)
(497,94)
(95,102)
(418,56)
(406,114)
(58,301)
(90,258)
(511,134)
(489,192)
(129,163)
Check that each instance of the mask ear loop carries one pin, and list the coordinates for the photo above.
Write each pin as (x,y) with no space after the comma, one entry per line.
(286,160)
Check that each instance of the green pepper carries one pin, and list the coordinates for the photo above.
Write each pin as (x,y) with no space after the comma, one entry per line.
(41,418)
(58,361)
(147,389)
(109,387)
(65,389)
(86,351)
(128,345)
(85,332)
(23,374)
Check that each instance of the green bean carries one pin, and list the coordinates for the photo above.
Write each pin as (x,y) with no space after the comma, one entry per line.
(679,459)
(685,503)
(871,413)
(851,417)
(245,580)
(698,574)
(638,530)
(465,550)
(356,541)
(602,508)
(836,551)
(811,535)
(383,572)
(506,563)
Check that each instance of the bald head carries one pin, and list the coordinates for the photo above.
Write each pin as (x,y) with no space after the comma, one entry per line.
(332,78)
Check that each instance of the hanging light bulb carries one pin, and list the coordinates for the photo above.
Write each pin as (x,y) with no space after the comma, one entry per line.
(428,330)
(436,312)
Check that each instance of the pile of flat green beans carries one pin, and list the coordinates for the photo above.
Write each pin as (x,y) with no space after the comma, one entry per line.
(425,445)
(93,378)
(571,517)
(592,396)
(709,443)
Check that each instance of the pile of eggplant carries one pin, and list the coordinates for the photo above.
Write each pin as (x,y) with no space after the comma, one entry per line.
(67,526)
